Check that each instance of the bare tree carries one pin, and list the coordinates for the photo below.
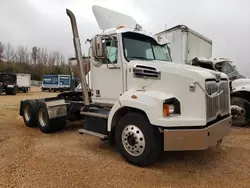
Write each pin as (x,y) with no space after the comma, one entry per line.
(1,50)
(22,55)
(62,60)
(35,54)
(52,59)
(9,52)
(57,58)
(43,57)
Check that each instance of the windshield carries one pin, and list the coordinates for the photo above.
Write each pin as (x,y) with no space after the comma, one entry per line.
(227,68)
(138,46)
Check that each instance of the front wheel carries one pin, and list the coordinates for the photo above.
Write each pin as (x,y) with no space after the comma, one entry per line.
(242,117)
(139,142)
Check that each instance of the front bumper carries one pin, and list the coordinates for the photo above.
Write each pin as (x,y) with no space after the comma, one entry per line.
(196,139)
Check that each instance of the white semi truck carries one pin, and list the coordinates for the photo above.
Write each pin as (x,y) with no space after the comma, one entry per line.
(137,98)
(239,87)
(187,46)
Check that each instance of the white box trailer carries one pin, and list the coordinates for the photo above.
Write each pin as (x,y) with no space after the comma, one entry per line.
(185,44)
(23,81)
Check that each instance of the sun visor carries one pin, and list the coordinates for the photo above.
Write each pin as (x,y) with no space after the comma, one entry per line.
(107,18)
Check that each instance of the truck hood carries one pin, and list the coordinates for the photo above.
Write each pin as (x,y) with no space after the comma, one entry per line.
(180,69)
(239,83)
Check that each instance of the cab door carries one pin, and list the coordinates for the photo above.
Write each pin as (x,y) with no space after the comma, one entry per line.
(106,79)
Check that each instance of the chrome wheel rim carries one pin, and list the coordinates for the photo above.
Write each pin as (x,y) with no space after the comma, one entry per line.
(133,140)
(42,118)
(26,112)
(239,118)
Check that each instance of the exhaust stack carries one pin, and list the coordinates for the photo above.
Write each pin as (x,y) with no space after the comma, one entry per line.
(78,52)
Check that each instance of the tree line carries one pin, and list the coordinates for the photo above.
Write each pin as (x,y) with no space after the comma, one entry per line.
(35,61)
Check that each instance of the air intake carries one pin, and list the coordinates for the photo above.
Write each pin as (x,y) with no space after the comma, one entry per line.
(146,72)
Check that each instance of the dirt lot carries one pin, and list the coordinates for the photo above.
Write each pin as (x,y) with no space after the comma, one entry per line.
(29,158)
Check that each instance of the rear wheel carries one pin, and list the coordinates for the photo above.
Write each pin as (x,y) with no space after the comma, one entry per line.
(11,91)
(29,113)
(48,125)
(139,142)
(14,91)
(242,117)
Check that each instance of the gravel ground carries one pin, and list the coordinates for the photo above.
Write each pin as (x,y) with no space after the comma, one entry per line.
(29,158)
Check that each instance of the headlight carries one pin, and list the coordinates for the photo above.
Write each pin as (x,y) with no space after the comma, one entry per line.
(171,107)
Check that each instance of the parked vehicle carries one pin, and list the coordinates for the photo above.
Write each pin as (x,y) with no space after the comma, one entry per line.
(11,83)
(239,87)
(137,98)
(185,44)
(190,47)
(23,82)
(59,83)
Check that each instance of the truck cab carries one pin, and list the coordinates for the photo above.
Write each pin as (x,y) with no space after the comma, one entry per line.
(139,99)
(8,83)
(219,64)
(239,87)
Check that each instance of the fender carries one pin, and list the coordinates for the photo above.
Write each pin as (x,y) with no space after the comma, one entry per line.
(241,88)
(242,84)
(149,102)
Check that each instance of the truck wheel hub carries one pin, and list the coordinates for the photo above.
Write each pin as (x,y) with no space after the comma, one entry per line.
(42,118)
(26,112)
(133,140)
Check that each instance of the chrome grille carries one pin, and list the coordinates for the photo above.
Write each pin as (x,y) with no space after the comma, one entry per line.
(218,105)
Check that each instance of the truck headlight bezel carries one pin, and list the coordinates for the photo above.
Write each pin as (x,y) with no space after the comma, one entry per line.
(171,107)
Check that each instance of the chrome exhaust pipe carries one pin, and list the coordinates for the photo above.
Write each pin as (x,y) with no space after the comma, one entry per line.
(78,52)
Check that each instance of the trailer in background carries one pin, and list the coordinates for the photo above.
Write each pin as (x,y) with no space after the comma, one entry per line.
(23,82)
(59,83)
(185,44)
(11,83)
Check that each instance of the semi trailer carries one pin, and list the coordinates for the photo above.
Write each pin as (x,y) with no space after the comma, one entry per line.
(11,83)
(137,98)
(187,46)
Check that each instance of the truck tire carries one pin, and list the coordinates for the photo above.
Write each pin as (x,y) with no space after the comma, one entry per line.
(25,90)
(243,118)
(11,91)
(29,113)
(48,125)
(14,91)
(138,141)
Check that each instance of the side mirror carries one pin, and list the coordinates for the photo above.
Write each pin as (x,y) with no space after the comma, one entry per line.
(98,47)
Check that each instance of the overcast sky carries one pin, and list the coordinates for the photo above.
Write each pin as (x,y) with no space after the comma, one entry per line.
(44,22)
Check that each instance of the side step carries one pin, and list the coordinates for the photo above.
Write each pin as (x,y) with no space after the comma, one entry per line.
(103,137)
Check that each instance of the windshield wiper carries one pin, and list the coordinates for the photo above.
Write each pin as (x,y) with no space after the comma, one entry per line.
(143,58)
